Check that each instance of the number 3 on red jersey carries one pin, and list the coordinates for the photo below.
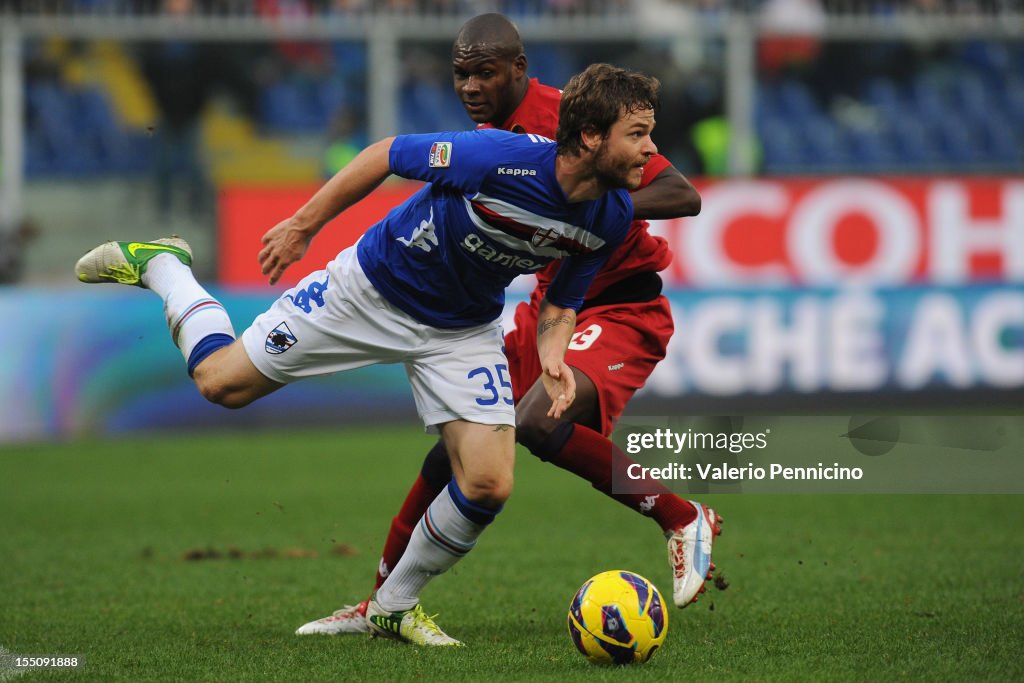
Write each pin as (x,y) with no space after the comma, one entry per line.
(584,339)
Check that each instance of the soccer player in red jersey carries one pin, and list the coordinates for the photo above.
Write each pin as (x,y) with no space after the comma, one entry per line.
(622,332)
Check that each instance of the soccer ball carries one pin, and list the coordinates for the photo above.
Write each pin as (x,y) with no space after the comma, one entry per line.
(617,617)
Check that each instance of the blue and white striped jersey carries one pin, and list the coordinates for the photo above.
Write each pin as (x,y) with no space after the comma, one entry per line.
(493,210)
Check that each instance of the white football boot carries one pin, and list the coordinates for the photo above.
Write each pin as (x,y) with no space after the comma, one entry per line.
(350,619)
(125,262)
(689,554)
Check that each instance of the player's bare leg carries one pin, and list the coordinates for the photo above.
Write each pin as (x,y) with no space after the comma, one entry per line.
(532,422)
(227,377)
(482,459)
(482,462)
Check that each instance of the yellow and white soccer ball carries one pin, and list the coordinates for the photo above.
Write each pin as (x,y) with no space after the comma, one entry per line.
(618,617)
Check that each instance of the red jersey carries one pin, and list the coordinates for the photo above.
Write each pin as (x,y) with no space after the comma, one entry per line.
(641,251)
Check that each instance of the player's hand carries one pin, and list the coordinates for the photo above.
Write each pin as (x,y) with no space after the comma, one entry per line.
(283,245)
(560,384)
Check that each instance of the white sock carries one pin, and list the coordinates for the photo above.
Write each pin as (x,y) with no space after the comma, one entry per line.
(192,314)
(442,537)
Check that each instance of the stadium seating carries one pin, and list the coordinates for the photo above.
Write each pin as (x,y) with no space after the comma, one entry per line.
(955,115)
(960,113)
(73,132)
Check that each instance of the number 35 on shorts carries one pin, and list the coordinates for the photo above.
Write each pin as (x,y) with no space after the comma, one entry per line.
(492,392)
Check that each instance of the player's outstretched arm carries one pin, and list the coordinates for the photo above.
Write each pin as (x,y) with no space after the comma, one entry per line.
(286,242)
(669,195)
(555,327)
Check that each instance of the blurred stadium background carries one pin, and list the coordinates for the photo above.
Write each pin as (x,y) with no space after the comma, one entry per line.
(861,245)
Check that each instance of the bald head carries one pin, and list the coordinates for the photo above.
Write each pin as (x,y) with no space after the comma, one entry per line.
(489,68)
(490,33)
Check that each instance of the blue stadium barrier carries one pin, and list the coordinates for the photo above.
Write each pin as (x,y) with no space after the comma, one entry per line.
(87,371)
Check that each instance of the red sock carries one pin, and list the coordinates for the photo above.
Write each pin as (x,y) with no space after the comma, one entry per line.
(590,455)
(419,498)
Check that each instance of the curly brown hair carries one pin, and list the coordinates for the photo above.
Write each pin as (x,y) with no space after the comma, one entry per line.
(594,99)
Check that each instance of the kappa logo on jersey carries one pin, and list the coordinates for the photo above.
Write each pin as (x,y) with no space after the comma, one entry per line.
(648,503)
(441,155)
(544,236)
(505,170)
(280,339)
(422,237)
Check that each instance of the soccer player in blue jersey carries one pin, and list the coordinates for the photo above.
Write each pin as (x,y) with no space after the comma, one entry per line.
(623,318)
(425,286)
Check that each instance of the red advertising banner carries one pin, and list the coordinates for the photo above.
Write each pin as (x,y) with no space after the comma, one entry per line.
(246,212)
(849,230)
(793,232)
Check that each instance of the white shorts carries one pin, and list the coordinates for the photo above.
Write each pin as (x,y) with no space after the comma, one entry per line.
(335,320)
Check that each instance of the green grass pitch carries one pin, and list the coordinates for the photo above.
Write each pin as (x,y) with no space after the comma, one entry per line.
(283,527)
